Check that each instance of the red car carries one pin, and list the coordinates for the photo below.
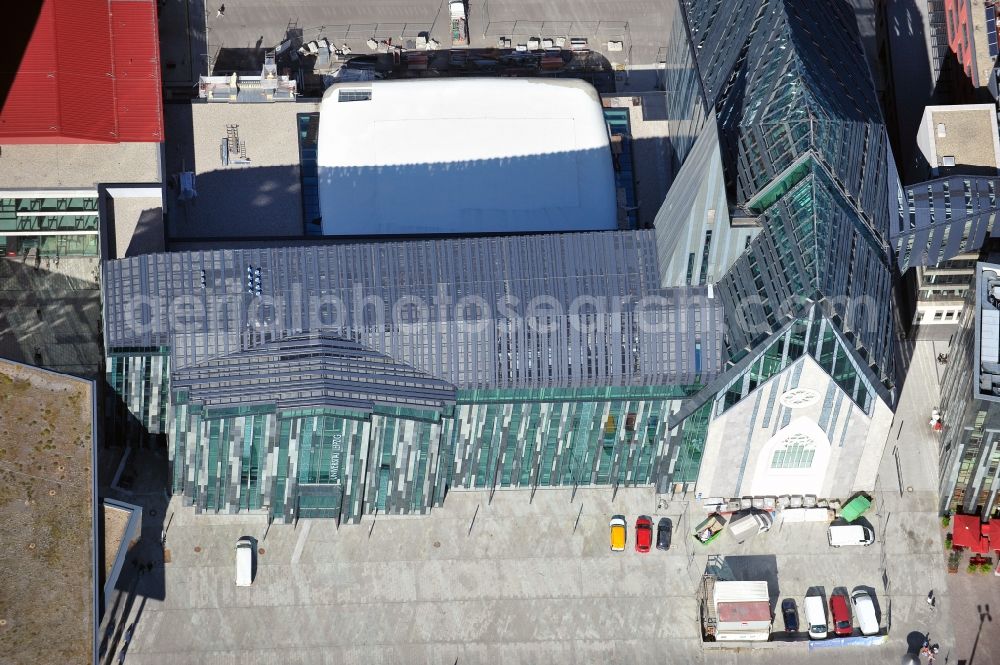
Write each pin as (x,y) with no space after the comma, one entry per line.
(643,534)
(841,610)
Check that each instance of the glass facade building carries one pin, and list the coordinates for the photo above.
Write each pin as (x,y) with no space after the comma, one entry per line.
(50,224)
(341,380)
(944,218)
(805,153)
(970,404)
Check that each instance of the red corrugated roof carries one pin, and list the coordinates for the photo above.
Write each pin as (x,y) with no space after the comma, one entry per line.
(91,73)
(137,70)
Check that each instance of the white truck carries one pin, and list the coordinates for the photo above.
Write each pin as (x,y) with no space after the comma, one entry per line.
(459,24)
(742,611)
(244,561)
(749,523)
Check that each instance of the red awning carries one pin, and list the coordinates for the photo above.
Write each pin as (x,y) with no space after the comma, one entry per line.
(968,532)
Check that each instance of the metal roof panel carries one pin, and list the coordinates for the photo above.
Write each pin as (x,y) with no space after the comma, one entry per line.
(90,73)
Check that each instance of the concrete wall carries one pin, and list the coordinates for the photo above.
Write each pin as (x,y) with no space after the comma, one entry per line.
(742,442)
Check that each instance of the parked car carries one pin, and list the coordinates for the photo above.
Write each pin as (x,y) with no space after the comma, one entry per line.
(841,611)
(244,561)
(864,609)
(618,527)
(816,617)
(840,535)
(664,529)
(643,533)
(790,615)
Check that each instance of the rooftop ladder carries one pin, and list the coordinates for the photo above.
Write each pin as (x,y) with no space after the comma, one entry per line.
(233,138)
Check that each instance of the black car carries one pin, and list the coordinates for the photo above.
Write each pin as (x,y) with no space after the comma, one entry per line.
(663,530)
(790,615)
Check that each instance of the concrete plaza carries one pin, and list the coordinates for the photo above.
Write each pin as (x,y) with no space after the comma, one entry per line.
(528,580)
(511,582)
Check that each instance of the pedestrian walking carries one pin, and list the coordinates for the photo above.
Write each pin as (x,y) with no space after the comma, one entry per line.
(222,12)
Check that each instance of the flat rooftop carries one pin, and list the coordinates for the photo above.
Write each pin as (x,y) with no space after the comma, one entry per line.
(50,314)
(46,520)
(84,166)
(115,523)
(260,196)
(961,139)
(461,156)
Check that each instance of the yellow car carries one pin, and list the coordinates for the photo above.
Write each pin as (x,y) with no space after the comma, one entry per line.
(618,526)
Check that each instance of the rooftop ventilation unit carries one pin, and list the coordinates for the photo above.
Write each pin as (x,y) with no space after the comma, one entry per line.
(348,95)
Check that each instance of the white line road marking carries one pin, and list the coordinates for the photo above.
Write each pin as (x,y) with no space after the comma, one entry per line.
(301,542)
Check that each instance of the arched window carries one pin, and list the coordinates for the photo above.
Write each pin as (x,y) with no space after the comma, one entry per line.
(796,452)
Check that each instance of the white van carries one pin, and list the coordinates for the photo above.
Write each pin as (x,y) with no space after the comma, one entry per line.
(816,617)
(850,534)
(750,524)
(864,610)
(244,561)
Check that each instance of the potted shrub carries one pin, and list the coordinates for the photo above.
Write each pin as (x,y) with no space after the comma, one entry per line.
(985,568)
(948,541)
(945,521)
(973,568)
(954,559)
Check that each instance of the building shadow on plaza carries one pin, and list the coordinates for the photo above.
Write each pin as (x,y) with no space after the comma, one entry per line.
(50,313)
(133,467)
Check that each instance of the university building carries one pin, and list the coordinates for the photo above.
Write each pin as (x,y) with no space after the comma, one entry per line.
(744,346)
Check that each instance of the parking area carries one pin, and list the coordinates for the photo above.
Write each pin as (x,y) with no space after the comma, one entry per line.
(797,560)
(512,581)
(471,581)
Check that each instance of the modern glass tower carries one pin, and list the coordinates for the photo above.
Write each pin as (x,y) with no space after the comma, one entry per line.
(805,151)
(786,89)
